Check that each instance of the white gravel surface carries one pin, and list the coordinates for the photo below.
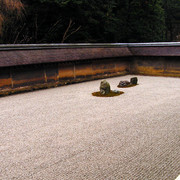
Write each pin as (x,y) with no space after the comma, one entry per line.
(65,133)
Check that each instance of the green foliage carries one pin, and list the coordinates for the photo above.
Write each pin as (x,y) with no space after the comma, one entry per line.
(145,22)
(73,21)
(172,19)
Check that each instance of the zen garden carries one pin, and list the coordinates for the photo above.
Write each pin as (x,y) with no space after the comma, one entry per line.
(89,90)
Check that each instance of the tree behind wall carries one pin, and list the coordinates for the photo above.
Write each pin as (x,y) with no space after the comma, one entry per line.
(71,21)
(145,21)
(10,11)
(172,19)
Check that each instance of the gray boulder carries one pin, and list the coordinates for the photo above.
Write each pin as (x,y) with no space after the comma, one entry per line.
(104,87)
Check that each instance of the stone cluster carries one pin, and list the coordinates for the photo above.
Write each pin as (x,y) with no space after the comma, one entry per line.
(105,88)
(133,81)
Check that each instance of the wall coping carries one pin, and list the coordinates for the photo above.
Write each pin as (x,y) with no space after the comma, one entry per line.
(4,47)
(27,54)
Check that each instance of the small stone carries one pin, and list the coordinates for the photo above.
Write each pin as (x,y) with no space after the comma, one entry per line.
(134,80)
(124,83)
(116,91)
(104,87)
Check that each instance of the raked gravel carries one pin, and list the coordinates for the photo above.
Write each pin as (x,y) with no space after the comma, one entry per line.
(65,133)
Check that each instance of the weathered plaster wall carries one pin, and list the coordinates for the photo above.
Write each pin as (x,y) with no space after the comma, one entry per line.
(29,67)
(29,77)
(156,66)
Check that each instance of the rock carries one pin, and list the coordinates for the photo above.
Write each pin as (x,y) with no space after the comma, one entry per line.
(104,87)
(116,91)
(124,83)
(134,80)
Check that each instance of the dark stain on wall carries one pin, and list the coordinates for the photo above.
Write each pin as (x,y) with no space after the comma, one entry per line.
(51,72)
(158,66)
(5,78)
(27,75)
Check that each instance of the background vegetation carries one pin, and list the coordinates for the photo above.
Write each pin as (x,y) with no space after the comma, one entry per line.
(73,21)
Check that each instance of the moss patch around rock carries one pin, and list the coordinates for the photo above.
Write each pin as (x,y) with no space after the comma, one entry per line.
(111,94)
